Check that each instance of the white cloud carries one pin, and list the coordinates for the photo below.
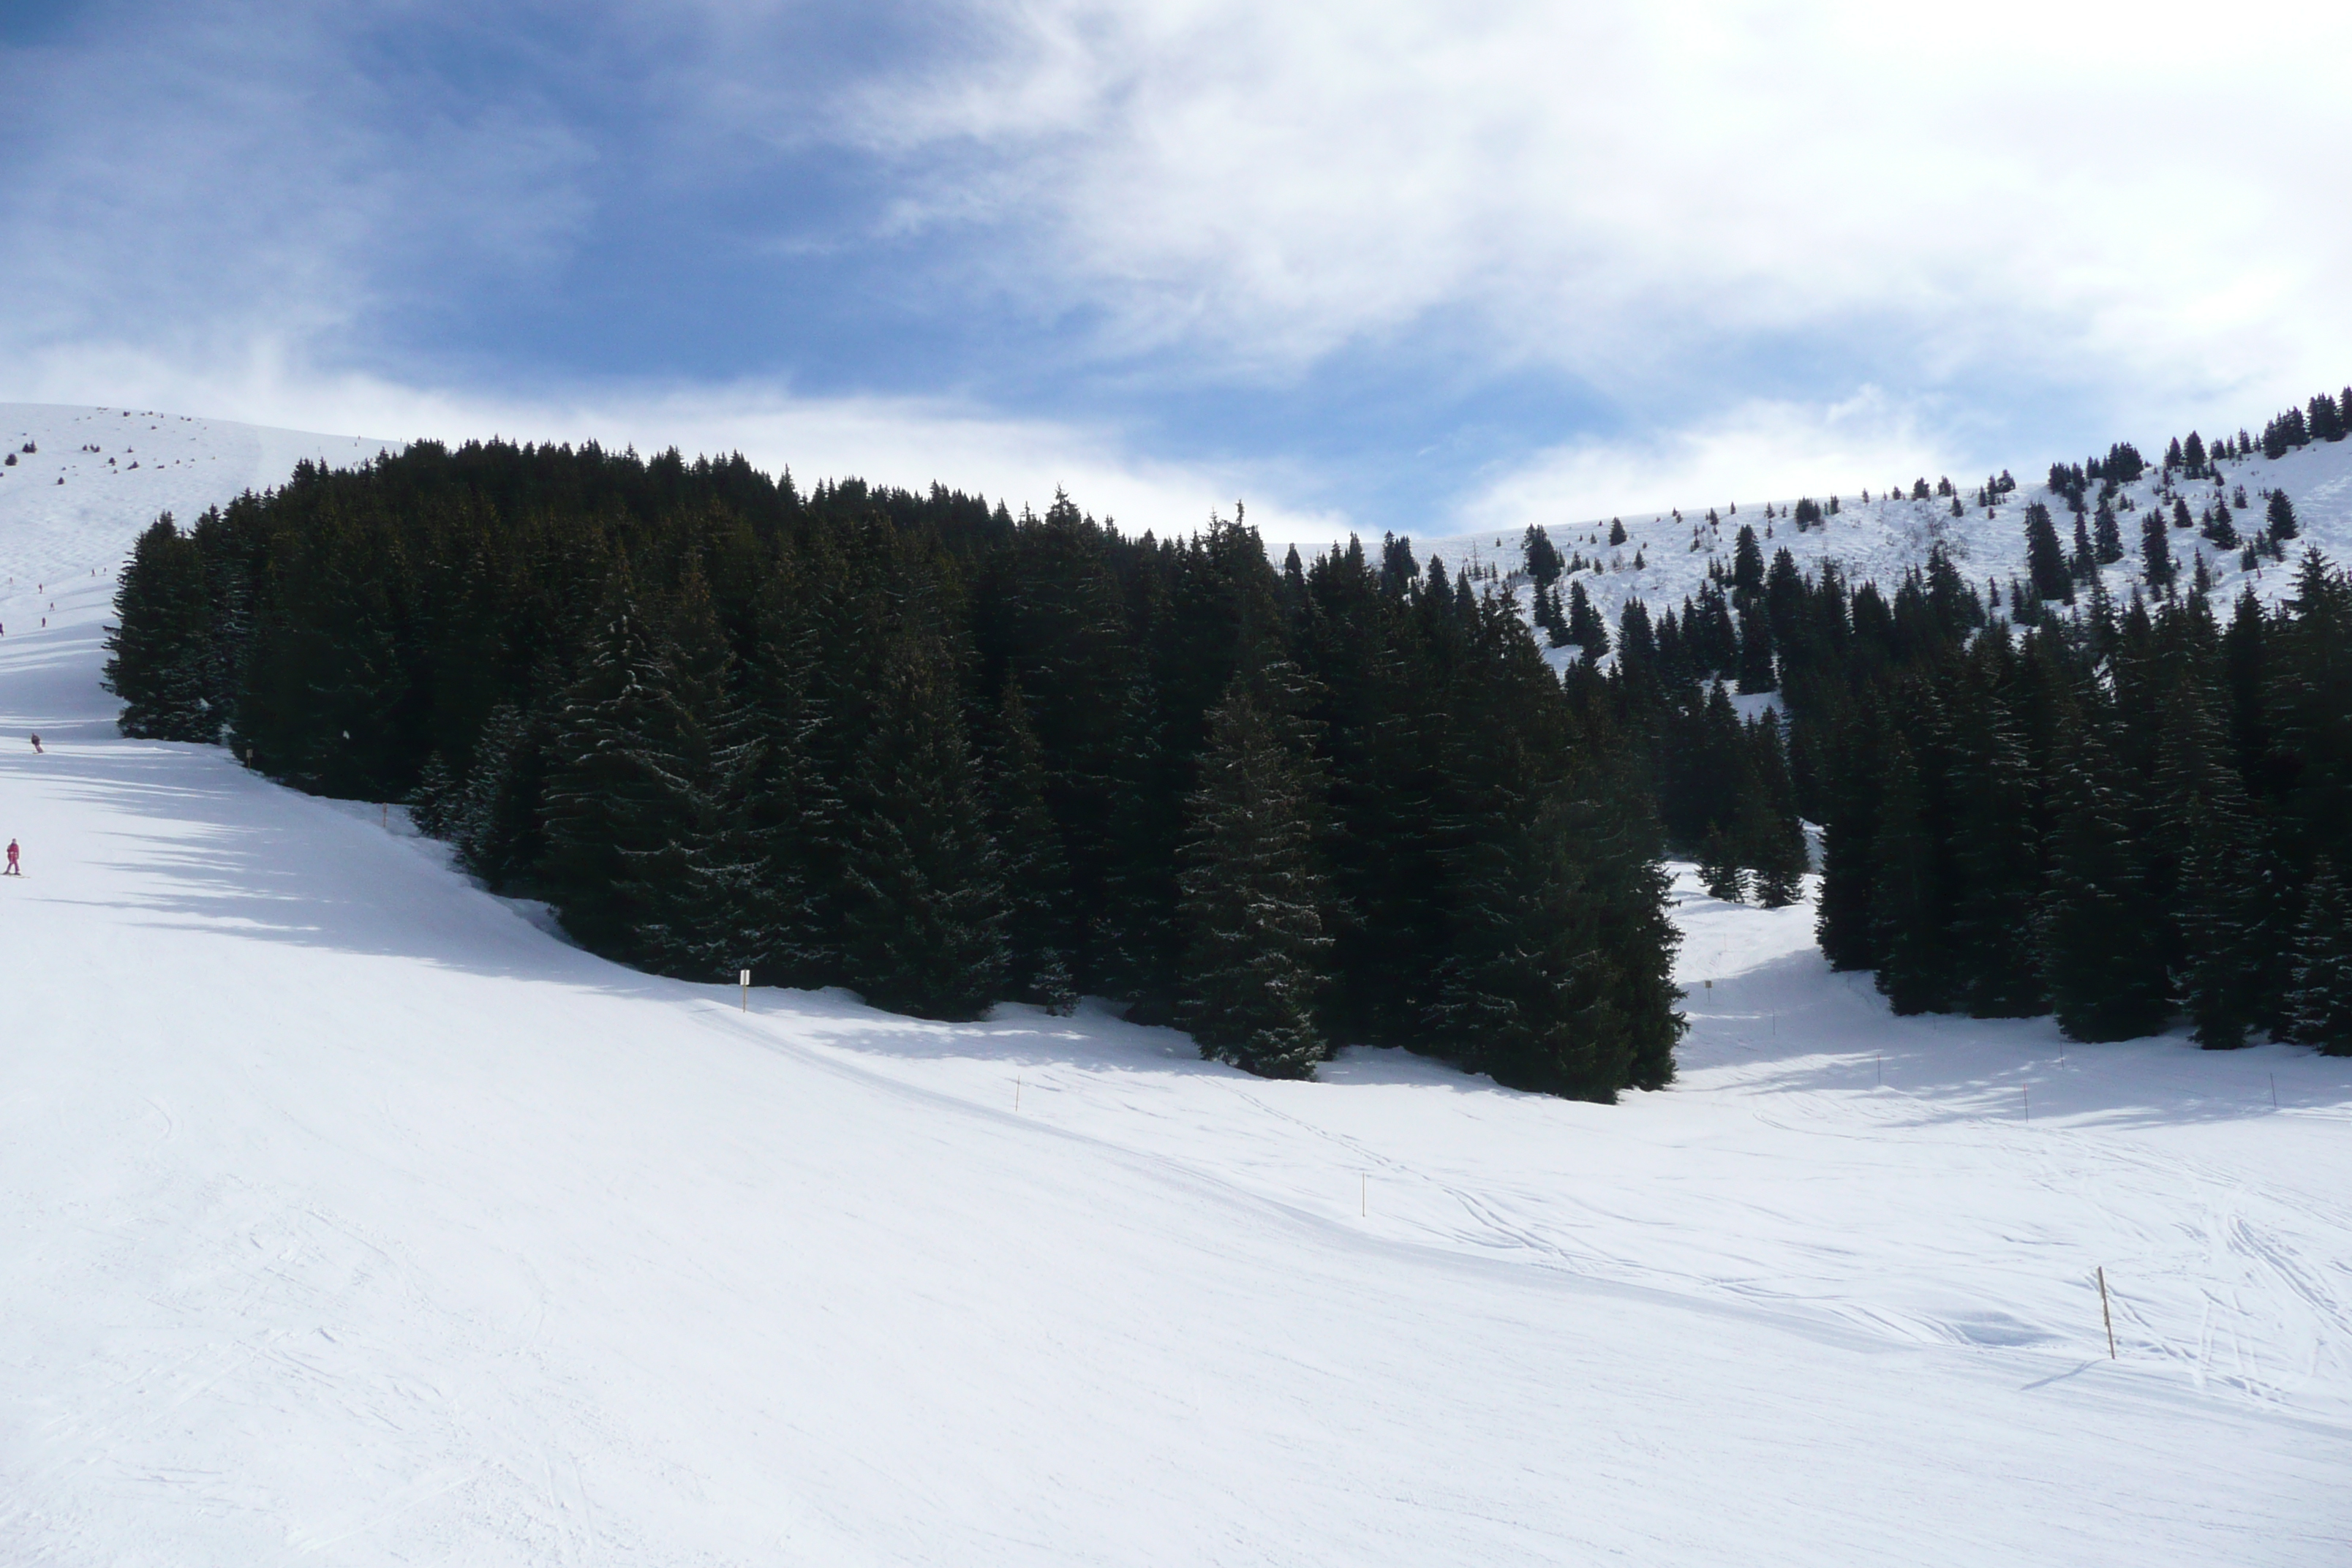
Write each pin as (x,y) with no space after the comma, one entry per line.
(2133,201)
(1757,452)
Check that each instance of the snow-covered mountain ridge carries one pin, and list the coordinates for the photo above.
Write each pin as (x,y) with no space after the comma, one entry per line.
(1881,539)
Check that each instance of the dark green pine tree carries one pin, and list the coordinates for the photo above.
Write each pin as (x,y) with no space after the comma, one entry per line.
(433,803)
(1719,869)
(1841,922)
(2107,538)
(1756,667)
(923,899)
(496,822)
(2282,524)
(2085,559)
(1747,563)
(2205,819)
(1251,900)
(1772,840)
(772,848)
(2045,562)
(627,791)
(1036,871)
(2319,1006)
(2101,950)
(2156,552)
(1995,858)
(1907,913)
(1585,626)
(159,650)
(1543,561)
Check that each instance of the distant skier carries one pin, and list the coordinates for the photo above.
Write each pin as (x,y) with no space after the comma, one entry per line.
(36,746)
(11,870)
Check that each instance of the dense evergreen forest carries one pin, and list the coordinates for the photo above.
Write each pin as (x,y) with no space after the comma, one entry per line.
(2032,801)
(916,746)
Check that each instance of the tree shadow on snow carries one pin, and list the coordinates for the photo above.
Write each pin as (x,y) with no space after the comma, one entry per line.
(1791,1026)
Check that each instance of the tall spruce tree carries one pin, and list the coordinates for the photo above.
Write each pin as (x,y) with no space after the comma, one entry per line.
(2045,562)
(923,900)
(627,791)
(1251,899)
(1908,903)
(2101,952)
(1035,869)
(2319,1006)
(160,651)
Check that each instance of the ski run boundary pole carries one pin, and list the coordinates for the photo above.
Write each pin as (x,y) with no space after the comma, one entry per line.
(2107,1315)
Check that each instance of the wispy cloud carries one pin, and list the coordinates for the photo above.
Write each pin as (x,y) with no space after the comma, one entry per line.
(1200,244)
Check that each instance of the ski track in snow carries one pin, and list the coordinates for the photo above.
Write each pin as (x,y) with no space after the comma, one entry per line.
(350,1217)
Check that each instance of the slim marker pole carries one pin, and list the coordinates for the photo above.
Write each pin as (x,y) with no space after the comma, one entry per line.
(2104,1314)
(744,979)
(2273,1091)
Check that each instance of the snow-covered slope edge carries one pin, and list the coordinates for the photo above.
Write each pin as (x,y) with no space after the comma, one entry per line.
(1884,538)
(350,1217)
(101,475)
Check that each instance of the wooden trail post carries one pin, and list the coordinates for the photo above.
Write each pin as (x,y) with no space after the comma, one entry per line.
(2104,1314)
(743,978)
(1016,1091)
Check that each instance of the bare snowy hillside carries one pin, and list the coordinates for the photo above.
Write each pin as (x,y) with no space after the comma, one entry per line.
(1881,539)
(351,1217)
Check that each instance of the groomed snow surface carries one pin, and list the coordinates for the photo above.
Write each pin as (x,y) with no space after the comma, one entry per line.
(347,1216)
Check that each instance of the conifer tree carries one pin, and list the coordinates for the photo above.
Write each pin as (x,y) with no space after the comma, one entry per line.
(433,804)
(2101,951)
(1035,872)
(2282,525)
(924,902)
(1995,858)
(2156,552)
(2045,563)
(2107,538)
(160,648)
(1252,896)
(1747,563)
(1585,626)
(1849,827)
(2319,1006)
(626,790)
(1719,871)
(1907,910)
(2223,892)
(496,822)
(1756,665)
(1770,837)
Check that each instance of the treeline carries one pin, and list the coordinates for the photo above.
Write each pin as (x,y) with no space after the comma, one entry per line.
(916,746)
(2122,816)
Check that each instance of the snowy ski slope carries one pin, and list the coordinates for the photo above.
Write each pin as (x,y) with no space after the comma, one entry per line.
(352,1218)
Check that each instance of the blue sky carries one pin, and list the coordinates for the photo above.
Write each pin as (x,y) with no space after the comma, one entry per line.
(1369,265)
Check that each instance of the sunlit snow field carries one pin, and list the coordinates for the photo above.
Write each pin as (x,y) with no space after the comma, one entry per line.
(350,1217)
